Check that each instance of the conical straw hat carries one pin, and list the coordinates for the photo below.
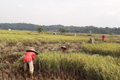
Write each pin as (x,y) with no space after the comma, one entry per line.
(63,47)
(31,49)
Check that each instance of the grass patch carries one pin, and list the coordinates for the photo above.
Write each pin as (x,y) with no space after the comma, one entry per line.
(93,67)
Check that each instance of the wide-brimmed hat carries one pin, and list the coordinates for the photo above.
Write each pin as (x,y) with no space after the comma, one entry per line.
(63,47)
(32,49)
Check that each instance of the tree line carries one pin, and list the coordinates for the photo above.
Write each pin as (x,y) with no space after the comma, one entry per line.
(58,28)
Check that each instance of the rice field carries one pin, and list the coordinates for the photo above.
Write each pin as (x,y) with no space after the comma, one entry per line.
(93,67)
(81,60)
(112,49)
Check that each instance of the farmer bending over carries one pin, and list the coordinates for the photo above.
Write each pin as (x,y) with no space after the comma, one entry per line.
(28,60)
(63,48)
(90,40)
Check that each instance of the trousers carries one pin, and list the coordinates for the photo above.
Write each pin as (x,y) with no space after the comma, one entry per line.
(30,66)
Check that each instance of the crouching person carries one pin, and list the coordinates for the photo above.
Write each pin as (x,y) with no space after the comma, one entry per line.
(63,48)
(28,60)
(90,40)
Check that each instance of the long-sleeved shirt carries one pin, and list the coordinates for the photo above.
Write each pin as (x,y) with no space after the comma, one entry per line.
(29,56)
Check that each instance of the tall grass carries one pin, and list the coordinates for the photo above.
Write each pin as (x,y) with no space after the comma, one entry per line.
(12,38)
(112,49)
(92,67)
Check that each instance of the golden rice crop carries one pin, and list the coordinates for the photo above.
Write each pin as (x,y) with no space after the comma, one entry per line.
(12,38)
(93,67)
(112,49)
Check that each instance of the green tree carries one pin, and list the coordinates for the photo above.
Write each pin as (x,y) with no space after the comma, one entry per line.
(111,33)
(62,30)
(40,29)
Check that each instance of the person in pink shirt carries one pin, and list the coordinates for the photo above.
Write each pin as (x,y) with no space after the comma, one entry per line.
(103,37)
(28,60)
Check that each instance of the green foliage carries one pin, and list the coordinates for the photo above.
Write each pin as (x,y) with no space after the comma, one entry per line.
(62,30)
(73,29)
(111,33)
(40,29)
(18,26)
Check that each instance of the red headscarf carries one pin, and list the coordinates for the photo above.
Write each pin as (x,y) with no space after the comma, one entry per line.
(63,49)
